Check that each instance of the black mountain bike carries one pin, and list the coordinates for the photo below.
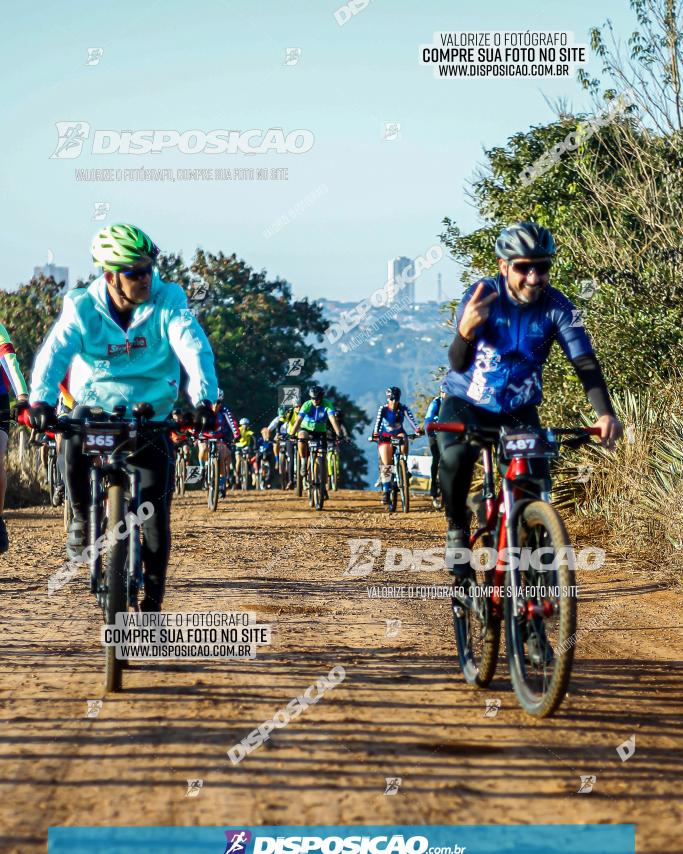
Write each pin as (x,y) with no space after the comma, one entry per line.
(400,481)
(212,471)
(114,527)
(316,471)
(528,579)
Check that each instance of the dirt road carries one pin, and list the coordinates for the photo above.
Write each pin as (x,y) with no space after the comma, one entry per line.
(402,711)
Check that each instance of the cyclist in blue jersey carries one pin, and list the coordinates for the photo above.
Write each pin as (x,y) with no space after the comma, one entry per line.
(432,415)
(388,425)
(506,325)
(226,430)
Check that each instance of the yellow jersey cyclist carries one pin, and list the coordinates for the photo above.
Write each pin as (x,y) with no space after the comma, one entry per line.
(246,445)
(125,337)
(11,379)
(281,428)
(312,421)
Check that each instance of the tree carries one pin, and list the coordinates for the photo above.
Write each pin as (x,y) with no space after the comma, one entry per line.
(28,313)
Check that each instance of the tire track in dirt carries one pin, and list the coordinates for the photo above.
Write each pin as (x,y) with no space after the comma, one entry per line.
(402,711)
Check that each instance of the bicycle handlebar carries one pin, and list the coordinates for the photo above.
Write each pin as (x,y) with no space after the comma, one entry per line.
(405,436)
(493,432)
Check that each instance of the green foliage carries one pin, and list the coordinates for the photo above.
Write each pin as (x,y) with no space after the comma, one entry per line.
(28,313)
(612,214)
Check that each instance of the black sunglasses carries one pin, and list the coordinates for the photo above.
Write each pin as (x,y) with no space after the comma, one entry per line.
(138,273)
(525,267)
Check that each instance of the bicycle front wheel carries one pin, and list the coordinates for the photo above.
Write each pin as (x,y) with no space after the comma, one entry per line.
(333,470)
(403,485)
(180,475)
(116,580)
(540,641)
(53,480)
(213,477)
(318,485)
(298,465)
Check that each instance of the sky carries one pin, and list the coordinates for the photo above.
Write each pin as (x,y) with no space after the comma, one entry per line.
(359,199)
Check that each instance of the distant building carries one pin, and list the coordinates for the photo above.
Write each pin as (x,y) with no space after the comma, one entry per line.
(59,274)
(401,274)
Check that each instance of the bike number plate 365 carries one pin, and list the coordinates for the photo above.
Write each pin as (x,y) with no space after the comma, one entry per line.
(102,440)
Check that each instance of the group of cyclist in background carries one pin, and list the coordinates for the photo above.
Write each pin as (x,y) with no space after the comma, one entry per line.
(246,461)
(123,338)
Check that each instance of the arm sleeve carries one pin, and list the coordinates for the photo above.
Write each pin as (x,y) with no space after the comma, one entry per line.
(232,423)
(411,418)
(378,420)
(460,353)
(430,415)
(589,372)
(63,342)
(192,348)
(9,364)
(274,424)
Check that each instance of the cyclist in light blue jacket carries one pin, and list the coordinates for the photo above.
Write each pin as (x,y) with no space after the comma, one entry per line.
(125,337)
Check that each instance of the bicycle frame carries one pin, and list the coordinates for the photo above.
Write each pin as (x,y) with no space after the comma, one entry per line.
(502,512)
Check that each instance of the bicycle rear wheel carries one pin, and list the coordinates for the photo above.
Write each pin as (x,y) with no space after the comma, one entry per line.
(540,674)
(116,580)
(403,485)
(477,629)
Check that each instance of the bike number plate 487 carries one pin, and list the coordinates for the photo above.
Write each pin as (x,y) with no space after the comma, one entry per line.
(526,445)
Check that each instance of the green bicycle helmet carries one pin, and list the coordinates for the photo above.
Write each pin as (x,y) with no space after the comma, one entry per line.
(118,246)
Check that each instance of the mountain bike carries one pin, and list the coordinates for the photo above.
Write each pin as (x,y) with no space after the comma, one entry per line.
(212,470)
(529,582)
(47,454)
(263,472)
(114,527)
(55,483)
(182,455)
(316,470)
(333,462)
(242,468)
(284,461)
(400,481)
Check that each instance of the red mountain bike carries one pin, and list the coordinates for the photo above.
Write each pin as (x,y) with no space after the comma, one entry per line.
(528,580)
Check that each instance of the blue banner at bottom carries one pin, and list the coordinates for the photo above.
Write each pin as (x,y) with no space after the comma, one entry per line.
(377,839)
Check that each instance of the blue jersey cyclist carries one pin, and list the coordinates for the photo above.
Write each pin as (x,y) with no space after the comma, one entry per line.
(432,415)
(224,429)
(388,425)
(506,325)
